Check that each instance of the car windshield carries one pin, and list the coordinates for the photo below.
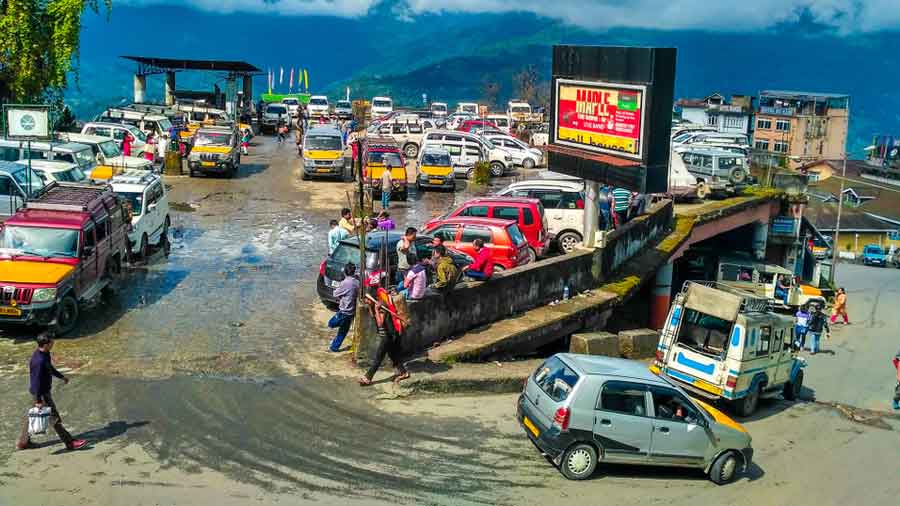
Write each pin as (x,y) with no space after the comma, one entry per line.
(164,125)
(135,200)
(704,333)
(45,242)
(290,101)
(343,104)
(31,182)
(110,149)
(488,143)
(521,108)
(212,139)
(381,103)
(348,253)
(556,379)
(439,107)
(385,157)
(437,159)
(318,101)
(133,130)
(516,235)
(682,137)
(277,109)
(874,250)
(322,143)
(73,175)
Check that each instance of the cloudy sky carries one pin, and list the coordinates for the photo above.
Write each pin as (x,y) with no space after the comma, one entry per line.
(845,16)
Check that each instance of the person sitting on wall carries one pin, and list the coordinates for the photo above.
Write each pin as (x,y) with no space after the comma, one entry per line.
(483,267)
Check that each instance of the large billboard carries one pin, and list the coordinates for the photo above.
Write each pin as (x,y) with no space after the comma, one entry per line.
(602,117)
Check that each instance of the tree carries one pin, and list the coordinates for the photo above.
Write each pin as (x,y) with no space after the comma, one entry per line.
(490,90)
(525,83)
(39,44)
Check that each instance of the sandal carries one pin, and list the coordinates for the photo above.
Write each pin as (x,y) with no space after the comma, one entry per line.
(402,376)
(365,382)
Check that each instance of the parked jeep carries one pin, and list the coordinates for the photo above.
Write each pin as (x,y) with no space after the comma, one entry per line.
(215,151)
(59,252)
(147,200)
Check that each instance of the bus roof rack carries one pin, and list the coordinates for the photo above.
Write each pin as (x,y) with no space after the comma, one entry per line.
(751,303)
(67,196)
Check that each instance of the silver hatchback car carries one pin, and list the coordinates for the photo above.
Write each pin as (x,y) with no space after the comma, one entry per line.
(581,409)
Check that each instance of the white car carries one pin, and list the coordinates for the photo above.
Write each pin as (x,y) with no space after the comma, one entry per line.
(273,115)
(117,131)
(54,170)
(468,108)
(149,202)
(502,122)
(293,105)
(381,106)
(563,202)
(522,154)
(318,106)
(107,152)
(439,109)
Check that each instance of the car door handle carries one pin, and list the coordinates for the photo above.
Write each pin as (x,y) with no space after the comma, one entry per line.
(606,422)
(664,430)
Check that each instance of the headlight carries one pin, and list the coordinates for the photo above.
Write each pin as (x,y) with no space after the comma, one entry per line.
(308,162)
(44,295)
(508,158)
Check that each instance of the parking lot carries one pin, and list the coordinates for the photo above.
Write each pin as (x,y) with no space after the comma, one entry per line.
(190,388)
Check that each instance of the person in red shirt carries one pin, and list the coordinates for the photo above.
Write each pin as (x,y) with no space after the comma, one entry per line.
(896,362)
(483,267)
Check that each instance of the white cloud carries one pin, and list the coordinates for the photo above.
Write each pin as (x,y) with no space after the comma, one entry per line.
(845,16)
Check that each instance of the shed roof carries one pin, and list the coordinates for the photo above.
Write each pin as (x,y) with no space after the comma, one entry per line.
(202,65)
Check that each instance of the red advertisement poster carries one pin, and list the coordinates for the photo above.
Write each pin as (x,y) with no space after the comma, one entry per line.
(600,117)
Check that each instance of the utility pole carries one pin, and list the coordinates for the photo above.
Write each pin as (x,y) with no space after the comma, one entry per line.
(837,224)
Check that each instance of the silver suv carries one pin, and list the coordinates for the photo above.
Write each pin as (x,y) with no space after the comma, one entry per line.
(581,409)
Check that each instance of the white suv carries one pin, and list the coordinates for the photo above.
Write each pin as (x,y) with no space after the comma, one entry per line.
(466,149)
(563,203)
(522,154)
(318,106)
(149,209)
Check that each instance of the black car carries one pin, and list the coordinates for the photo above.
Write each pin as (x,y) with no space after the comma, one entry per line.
(331,272)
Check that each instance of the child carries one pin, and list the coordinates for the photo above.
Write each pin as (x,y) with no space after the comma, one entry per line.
(245,142)
(801,327)
(896,403)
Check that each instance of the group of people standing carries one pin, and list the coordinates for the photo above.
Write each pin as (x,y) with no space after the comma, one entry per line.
(617,206)
(812,321)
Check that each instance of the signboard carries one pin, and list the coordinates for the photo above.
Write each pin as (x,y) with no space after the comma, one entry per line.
(783,225)
(27,122)
(601,117)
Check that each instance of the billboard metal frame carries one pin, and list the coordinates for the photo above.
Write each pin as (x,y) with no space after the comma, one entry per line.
(7,108)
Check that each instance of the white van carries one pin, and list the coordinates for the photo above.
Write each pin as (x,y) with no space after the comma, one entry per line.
(502,122)
(382,106)
(157,124)
(468,108)
(439,109)
(522,154)
(318,106)
(117,131)
(72,152)
(467,149)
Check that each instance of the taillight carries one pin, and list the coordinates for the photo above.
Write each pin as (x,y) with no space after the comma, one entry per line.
(322,268)
(561,418)
(659,356)
(579,204)
(731,382)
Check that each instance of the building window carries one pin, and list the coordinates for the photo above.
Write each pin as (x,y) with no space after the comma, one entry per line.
(712,120)
(764,124)
(781,147)
(763,145)
(783,125)
(734,121)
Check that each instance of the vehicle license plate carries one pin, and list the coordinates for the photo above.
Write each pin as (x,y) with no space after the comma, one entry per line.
(10,311)
(435,181)
(323,170)
(207,164)
(534,430)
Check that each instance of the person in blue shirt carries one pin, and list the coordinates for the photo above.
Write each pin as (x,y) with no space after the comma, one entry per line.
(604,203)
(336,234)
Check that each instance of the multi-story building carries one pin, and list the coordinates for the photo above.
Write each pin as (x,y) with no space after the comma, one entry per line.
(715,111)
(795,127)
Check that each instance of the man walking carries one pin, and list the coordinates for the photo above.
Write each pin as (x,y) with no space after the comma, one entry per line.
(388,344)
(818,323)
(42,373)
(483,267)
(406,255)
(346,293)
(387,186)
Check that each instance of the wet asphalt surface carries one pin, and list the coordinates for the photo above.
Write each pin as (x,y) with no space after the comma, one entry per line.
(189,359)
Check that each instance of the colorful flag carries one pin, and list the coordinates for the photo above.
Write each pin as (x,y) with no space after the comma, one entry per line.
(291,81)
(269,79)
(281,75)
(305,80)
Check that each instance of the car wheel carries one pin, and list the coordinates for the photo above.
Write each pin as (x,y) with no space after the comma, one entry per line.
(792,389)
(738,176)
(303,175)
(568,241)
(470,174)
(411,150)
(528,163)
(702,191)
(579,462)
(66,315)
(724,469)
(191,173)
(496,169)
(532,255)
(145,248)
(747,405)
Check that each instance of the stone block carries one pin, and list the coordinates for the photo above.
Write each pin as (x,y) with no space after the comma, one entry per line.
(638,343)
(595,343)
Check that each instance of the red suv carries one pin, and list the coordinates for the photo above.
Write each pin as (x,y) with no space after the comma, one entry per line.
(527,213)
(472,124)
(507,244)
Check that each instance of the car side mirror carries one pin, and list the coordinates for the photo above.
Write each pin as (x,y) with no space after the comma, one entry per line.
(152,207)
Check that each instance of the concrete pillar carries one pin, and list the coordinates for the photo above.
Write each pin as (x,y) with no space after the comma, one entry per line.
(140,88)
(247,87)
(661,297)
(170,88)
(591,190)
(760,238)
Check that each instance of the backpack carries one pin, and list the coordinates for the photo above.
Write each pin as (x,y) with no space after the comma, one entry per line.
(38,419)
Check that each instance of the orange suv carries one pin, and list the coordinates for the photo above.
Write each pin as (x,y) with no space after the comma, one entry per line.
(507,244)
